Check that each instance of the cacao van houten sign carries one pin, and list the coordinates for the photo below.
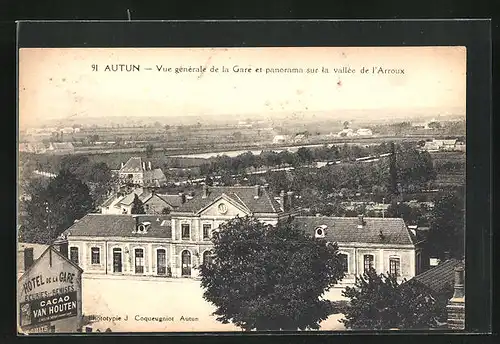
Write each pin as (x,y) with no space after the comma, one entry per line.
(49,309)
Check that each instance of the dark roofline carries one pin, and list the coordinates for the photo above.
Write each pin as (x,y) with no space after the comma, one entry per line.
(51,247)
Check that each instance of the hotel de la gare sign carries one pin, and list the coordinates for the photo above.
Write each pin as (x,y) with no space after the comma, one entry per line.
(50,295)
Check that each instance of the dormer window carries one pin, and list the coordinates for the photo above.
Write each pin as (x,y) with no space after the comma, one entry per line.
(143,227)
(320,231)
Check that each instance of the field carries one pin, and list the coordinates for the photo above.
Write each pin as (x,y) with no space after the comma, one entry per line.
(450,168)
(167,298)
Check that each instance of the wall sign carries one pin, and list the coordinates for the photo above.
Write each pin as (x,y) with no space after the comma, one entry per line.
(49,309)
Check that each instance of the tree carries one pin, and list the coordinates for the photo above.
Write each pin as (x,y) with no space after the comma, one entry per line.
(137,206)
(378,302)
(149,150)
(269,278)
(54,208)
(447,222)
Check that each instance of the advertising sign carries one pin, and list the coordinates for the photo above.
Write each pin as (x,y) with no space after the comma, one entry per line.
(49,309)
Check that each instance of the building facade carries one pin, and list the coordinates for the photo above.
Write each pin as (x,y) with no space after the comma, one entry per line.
(175,245)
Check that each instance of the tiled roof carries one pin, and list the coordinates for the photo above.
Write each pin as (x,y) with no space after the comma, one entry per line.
(158,174)
(104,225)
(345,229)
(133,164)
(174,200)
(243,195)
(440,277)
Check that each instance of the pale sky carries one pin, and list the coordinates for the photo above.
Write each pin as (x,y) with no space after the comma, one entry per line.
(59,83)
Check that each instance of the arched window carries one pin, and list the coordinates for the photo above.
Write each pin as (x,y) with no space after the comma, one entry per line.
(207,257)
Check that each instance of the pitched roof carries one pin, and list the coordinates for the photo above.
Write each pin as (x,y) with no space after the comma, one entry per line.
(174,200)
(440,277)
(129,199)
(104,225)
(158,174)
(242,195)
(345,229)
(38,250)
(133,164)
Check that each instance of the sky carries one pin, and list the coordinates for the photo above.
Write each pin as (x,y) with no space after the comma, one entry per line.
(60,83)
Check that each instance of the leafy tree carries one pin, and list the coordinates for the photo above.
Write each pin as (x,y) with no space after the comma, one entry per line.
(269,278)
(55,207)
(137,206)
(447,222)
(165,211)
(149,150)
(378,302)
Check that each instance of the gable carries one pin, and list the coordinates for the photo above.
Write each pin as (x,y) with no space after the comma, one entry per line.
(224,206)
(47,273)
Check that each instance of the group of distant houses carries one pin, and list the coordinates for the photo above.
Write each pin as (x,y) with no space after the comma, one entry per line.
(56,148)
(446,145)
(302,138)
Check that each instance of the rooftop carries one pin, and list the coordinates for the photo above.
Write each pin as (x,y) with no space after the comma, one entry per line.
(105,225)
(439,278)
(243,195)
(133,164)
(375,230)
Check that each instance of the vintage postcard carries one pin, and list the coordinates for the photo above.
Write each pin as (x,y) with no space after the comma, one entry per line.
(241,189)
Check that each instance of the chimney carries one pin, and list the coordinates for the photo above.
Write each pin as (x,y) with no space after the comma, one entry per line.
(283,200)
(361,221)
(61,245)
(183,197)
(28,258)
(446,255)
(257,191)
(205,191)
(144,165)
(290,199)
(149,165)
(137,221)
(456,305)
(123,164)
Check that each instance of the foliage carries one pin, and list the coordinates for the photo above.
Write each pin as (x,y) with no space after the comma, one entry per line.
(269,278)
(378,302)
(55,207)
(447,227)
(137,206)
(411,215)
(149,150)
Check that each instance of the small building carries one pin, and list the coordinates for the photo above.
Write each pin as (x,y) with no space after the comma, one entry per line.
(32,147)
(49,292)
(138,172)
(384,244)
(60,148)
(346,133)
(153,203)
(280,139)
(364,132)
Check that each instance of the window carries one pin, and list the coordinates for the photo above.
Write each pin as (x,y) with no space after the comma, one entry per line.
(344,262)
(394,266)
(96,255)
(206,230)
(368,262)
(207,257)
(161,261)
(139,261)
(73,255)
(186,232)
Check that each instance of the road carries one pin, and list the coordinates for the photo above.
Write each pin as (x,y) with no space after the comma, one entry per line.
(139,301)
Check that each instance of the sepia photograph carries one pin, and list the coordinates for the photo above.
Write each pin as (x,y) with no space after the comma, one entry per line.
(241,189)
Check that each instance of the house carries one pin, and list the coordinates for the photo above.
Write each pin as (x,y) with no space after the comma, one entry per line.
(60,148)
(364,132)
(137,172)
(384,244)
(281,139)
(346,132)
(49,293)
(162,203)
(173,245)
(32,147)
